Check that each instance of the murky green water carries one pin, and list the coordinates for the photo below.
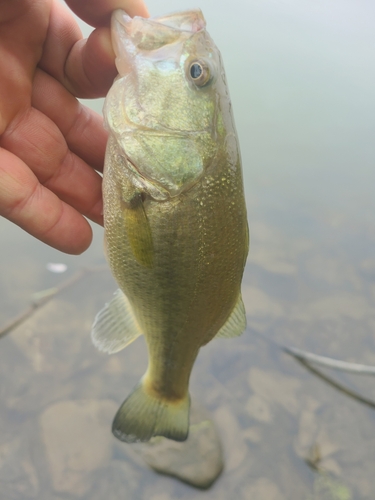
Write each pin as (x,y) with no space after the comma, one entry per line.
(302,80)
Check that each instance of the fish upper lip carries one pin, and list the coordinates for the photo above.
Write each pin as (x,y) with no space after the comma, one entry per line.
(197,21)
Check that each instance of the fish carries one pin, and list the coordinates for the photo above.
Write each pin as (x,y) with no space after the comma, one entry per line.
(175,220)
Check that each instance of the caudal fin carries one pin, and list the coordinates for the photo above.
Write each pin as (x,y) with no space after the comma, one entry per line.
(143,416)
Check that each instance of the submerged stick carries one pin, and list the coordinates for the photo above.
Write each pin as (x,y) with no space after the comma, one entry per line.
(338,386)
(307,359)
(41,298)
(333,363)
(336,364)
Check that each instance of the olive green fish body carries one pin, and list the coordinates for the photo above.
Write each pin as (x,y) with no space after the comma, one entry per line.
(176,232)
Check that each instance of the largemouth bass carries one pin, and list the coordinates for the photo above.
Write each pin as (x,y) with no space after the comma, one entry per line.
(176,232)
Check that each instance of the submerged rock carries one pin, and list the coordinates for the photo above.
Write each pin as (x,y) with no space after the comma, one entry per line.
(197,461)
(77,442)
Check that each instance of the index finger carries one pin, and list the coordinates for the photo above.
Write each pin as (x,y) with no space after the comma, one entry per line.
(85,67)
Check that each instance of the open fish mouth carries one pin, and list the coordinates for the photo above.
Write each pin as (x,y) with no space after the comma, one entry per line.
(191,20)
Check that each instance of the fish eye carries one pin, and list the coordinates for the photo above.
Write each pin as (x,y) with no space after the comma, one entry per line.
(199,73)
(196,70)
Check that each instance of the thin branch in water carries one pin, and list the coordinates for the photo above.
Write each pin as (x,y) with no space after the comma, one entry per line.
(336,385)
(336,364)
(40,298)
(309,357)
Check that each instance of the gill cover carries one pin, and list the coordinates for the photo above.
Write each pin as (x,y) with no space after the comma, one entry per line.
(164,107)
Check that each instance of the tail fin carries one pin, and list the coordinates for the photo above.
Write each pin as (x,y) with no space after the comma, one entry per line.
(143,416)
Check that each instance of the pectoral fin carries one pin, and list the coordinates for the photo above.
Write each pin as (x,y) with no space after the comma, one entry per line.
(115,326)
(236,323)
(138,230)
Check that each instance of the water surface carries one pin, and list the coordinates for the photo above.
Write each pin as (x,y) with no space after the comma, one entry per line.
(302,81)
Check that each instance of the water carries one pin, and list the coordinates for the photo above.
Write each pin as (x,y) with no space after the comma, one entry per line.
(302,81)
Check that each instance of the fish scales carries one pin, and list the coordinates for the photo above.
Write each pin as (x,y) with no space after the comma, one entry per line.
(176,233)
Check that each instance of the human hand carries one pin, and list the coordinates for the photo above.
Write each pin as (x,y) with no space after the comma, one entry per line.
(50,144)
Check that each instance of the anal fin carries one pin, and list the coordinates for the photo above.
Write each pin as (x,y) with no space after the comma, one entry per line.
(236,323)
(115,326)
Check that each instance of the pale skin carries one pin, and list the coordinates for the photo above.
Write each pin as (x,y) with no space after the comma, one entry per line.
(51,146)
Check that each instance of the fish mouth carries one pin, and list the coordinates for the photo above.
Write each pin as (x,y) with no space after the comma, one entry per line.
(153,33)
(190,21)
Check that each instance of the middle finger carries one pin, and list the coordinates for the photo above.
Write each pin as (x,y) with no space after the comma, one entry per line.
(37,141)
